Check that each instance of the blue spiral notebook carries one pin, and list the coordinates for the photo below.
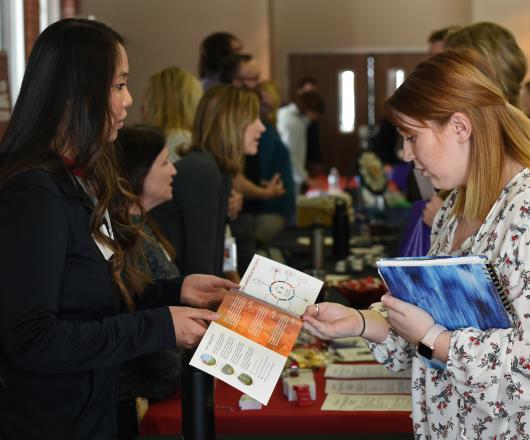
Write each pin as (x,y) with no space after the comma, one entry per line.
(458,292)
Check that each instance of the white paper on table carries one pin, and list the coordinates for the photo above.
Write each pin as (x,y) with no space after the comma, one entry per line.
(360,371)
(343,402)
(370,386)
(355,354)
(280,285)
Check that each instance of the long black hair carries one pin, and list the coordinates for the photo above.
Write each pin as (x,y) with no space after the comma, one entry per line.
(64,106)
(140,145)
(64,97)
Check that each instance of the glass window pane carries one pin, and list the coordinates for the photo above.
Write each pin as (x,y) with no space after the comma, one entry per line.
(394,79)
(346,101)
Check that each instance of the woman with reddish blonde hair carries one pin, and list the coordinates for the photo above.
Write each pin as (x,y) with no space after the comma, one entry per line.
(459,129)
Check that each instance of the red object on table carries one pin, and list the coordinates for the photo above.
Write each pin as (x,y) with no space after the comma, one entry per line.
(279,417)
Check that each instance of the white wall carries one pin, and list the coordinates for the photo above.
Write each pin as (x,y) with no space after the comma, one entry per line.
(299,25)
(165,32)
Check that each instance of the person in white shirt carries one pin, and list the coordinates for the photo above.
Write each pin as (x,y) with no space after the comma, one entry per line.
(293,120)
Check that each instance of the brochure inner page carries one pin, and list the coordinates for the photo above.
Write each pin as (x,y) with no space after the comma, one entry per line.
(248,346)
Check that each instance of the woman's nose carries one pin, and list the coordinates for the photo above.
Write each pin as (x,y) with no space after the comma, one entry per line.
(408,154)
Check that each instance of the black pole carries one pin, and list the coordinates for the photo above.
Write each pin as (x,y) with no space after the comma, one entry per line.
(198,409)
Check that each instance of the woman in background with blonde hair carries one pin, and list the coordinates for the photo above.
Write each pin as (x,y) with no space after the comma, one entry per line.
(169,103)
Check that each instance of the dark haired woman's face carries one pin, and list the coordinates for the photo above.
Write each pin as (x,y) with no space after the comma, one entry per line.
(120,98)
(236,45)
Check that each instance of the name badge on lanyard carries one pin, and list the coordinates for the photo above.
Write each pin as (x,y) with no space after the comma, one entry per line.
(104,249)
(105,228)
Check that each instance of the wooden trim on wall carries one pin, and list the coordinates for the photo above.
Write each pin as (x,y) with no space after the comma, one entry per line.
(5,100)
(31,24)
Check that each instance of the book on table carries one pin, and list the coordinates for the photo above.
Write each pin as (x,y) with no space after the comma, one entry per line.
(247,347)
(458,292)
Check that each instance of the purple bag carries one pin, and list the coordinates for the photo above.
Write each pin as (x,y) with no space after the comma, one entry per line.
(416,240)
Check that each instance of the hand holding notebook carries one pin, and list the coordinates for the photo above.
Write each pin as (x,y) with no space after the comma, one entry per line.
(458,292)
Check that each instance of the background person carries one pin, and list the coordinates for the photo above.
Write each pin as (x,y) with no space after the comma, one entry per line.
(293,120)
(226,127)
(154,376)
(497,44)
(213,49)
(169,103)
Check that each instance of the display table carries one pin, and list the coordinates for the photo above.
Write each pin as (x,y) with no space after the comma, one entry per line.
(278,417)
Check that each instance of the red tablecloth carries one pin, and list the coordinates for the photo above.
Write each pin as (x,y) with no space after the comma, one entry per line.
(279,416)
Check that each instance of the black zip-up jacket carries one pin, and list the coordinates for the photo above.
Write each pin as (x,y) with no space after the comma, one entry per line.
(62,330)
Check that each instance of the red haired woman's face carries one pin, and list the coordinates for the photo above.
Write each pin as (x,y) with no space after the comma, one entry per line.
(440,153)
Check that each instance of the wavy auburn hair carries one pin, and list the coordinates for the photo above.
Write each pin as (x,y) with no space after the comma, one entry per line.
(64,107)
(462,81)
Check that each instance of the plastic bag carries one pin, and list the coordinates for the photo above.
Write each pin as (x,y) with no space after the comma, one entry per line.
(416,240)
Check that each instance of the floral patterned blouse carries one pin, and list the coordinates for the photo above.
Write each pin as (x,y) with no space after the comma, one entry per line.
(484,393)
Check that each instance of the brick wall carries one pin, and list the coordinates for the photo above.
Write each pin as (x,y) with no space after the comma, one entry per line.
(31,23)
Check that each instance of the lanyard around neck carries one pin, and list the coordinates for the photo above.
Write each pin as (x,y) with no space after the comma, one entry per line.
(106,227)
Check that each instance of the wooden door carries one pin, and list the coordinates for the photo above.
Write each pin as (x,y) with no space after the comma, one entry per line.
(341,149)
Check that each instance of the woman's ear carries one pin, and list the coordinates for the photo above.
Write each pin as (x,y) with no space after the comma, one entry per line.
(462,126)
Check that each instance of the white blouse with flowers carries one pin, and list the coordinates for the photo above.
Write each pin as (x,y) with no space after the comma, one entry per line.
(485,391)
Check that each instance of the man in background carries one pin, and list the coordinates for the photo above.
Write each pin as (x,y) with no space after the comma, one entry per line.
(293,121)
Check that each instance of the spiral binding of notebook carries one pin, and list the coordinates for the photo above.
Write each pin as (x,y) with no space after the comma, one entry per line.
(500,288)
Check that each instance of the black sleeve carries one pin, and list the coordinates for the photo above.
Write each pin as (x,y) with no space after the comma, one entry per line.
(34,234)
(161,293)
(197,191)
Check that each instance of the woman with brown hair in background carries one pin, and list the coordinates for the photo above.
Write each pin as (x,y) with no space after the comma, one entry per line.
(226,127)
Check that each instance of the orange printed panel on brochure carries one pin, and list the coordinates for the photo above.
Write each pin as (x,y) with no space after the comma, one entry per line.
(260,322)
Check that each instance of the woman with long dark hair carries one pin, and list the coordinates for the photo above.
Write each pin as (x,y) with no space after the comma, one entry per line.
(69,249)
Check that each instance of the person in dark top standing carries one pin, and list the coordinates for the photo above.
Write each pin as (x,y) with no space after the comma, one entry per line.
(74,304)
(145,159)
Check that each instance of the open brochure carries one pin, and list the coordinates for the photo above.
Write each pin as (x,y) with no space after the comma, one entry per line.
(247,347)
